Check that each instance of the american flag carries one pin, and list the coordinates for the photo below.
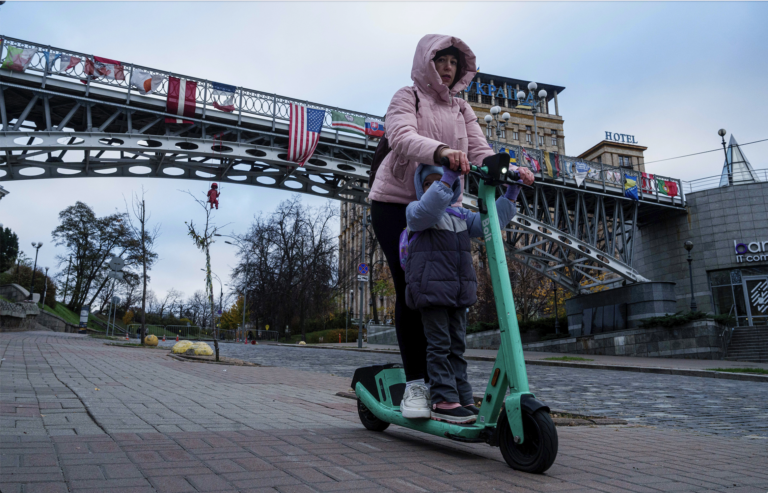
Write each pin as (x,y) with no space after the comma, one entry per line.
(304,132)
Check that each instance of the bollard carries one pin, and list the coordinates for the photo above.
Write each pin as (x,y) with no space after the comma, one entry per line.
(177,337)
(339,337)
(163,337)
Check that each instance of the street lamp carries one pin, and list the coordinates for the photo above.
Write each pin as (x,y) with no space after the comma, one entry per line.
(688,245)
(722,133)
(45,286)
(245,287)
(492,122)
(349,313)
(36,246)
(542,96)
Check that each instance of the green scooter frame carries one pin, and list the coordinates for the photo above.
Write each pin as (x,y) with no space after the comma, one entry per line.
(517,423)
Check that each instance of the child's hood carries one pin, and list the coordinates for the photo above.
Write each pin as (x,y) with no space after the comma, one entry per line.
(430,169)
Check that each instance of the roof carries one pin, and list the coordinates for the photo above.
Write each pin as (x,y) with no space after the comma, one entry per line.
(497,79)
(606,143)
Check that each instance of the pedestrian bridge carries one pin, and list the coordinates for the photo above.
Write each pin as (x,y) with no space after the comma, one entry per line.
(64,124)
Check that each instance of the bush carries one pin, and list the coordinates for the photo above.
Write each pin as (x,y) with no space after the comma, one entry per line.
(542,326)
(22,275)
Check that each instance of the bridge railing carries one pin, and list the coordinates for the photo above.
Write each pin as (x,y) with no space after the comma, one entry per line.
(246,101)
(716,181)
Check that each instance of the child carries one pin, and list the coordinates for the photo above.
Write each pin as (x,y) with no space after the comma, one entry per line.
(441,283)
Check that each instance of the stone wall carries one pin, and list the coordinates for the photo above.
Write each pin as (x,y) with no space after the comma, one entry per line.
(18,316)
(696,340)
(14,292)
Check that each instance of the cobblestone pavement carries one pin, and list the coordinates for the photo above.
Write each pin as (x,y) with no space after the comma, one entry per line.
(80,416)
(706,405)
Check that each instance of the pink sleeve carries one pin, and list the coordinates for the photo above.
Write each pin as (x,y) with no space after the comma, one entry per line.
(401,129)
(477,147)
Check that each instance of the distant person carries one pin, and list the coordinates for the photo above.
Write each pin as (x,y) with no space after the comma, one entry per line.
(441,283)
(443,126)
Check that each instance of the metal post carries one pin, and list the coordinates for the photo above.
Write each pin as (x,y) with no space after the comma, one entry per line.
(32,288)
(362,256)
(730,165)
(535,126)
(245,293)
(45,286)
(557,318)
(690,273)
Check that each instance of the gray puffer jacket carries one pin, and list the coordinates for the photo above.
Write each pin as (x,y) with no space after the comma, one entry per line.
(439,269)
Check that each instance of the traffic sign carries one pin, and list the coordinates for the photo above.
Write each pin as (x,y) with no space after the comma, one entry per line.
(115,274)
(116,263)
(362,278)
(362,269)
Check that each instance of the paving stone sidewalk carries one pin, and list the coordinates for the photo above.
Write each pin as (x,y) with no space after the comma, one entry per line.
(77,415)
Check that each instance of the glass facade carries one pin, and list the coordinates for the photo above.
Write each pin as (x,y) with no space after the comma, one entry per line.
(743,293)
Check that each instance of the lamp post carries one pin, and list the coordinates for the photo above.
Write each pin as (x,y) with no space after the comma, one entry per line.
(688,245)
(492,122)
(36,246)
(381,304)
(245,287)
(722,133)
(557,318)
(45,286)
(349,313)
(542,96)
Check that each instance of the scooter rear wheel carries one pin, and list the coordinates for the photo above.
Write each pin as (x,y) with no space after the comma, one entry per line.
(369,420)
(537,453)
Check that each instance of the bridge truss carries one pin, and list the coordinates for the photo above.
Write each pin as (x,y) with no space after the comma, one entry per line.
(56,127)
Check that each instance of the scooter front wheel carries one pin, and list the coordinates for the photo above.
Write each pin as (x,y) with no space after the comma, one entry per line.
(538,451)
(369,420)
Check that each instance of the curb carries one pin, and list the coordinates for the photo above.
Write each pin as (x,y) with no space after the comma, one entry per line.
(589,366)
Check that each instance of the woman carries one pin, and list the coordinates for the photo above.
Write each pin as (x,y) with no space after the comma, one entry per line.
(442,126)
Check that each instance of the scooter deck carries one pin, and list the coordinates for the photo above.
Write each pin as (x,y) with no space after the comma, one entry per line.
(380,388)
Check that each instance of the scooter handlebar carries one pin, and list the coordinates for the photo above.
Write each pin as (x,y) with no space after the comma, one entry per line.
(512,176)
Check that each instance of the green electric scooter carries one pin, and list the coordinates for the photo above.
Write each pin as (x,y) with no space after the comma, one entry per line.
(516,422)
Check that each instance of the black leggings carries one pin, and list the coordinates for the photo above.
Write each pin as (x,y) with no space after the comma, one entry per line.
(388,222)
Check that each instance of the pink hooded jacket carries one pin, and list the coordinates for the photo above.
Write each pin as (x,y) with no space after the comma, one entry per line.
(441,120)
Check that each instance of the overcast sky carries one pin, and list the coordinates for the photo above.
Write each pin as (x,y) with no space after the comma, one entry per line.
(671,74)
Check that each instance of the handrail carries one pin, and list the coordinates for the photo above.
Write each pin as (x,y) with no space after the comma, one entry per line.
(737,178)
(247,101)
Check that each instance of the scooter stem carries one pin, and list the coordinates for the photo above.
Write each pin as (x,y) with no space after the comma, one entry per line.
(509,362)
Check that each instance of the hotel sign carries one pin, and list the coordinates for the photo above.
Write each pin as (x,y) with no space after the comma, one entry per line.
(756,251)
(614,137)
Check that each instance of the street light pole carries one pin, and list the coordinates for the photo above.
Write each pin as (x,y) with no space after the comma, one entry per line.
(362,257)
(688,245)
(534,108)
(349,313)
(492,121)
(45,286)
(66,285)
(557,318)
(36,246)
(722,133)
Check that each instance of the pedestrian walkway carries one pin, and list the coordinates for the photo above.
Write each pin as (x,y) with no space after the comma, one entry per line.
(77,415)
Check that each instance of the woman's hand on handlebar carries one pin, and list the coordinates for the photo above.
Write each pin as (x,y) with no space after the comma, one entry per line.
(526,175)
(457,159)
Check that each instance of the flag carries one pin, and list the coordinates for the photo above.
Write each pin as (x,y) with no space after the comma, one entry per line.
(646,182)
(512,157)
(348,123)
(630,187)
(671,188)
(593,174)
(304,132)
(661,186)
(534,163)
(374,128)
(182,97)
(104,67)
(145,82)
(556,164)
(580,173)
(18,59)
(66,63)
(548,165)
(226,92)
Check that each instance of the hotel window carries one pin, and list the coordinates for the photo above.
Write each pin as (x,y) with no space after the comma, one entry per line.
(488,132)
(554,137)
(485,99)
(515,136)
(625,161)
(503,133)
(541,140)
(599,159)
(528,128)
(528,138)
(472,97)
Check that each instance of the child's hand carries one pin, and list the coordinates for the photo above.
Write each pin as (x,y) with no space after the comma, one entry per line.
(512,192)
(449,176)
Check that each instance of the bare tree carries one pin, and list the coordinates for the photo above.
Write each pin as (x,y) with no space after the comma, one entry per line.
(144,241)
(171,297)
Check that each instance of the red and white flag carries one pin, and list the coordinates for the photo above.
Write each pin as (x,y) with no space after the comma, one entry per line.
(647,182)
(104,67)
(145,82)
(304,132)
(67,63)
(182,95)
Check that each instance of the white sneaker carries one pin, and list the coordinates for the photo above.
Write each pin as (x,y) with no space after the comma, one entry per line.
(415,403)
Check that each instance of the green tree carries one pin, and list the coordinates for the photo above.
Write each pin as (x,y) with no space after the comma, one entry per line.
(233,318)
(9,248)
(91,241)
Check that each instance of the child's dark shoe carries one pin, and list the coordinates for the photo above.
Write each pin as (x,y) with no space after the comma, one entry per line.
(458,415)
(473,408)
